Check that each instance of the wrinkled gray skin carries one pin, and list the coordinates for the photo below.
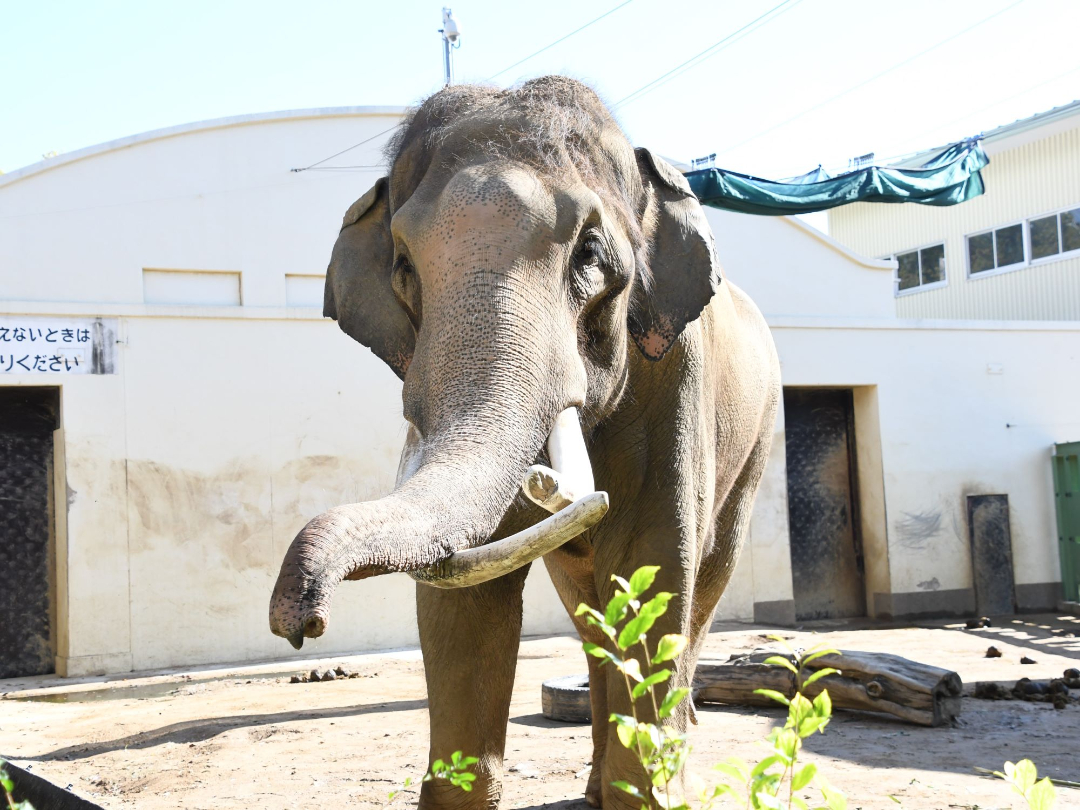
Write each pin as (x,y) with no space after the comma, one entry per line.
(522,258)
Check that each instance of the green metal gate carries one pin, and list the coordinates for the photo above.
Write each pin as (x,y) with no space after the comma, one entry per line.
(1066,461)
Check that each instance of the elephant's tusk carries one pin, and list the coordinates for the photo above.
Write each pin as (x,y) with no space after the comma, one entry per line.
(572,476)
(475,565)
(566,491)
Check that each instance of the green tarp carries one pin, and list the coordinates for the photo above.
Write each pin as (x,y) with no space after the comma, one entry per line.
(950,177)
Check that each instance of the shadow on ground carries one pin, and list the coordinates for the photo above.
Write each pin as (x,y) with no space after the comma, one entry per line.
(1057,635)
(192,731)
(539,721)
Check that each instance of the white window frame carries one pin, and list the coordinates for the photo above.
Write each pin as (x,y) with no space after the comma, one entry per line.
(933,285)
(1008,268)
(1025,231)
(1061,255)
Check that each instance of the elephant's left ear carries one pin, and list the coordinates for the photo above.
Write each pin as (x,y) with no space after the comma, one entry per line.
(683,274)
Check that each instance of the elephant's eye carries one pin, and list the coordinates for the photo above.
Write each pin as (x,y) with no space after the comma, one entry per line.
(590,253)
(406,286)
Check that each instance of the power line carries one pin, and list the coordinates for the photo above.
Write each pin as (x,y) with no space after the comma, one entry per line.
(711,51)
(556,42)
(995,103)
(873,78)
(343,151)
(504,70)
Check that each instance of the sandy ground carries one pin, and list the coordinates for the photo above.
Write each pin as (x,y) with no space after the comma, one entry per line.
(246,738)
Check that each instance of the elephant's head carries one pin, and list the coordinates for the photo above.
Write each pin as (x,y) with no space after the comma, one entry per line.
(517,248)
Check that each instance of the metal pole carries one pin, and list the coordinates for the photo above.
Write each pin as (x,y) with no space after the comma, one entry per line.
(451,38)
(448,62)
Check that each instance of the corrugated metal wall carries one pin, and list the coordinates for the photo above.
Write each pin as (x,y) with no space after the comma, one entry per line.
(1031,179)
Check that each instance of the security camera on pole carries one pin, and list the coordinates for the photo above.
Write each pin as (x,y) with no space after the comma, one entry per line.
(451,36)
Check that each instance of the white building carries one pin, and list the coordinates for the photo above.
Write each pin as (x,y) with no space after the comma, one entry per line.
(1013,253)
(210,411)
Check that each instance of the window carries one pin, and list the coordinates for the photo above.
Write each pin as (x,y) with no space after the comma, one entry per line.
(1013,246)
(996,249)
(919,269)
(1054,234)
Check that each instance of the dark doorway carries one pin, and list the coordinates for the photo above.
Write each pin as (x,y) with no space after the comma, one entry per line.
(28,417)
(991,554)
(826,553)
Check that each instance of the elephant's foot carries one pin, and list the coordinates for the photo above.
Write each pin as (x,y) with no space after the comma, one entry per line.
(441,795)
(594,790)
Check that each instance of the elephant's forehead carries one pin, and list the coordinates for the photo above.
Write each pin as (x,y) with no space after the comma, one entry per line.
(477,200)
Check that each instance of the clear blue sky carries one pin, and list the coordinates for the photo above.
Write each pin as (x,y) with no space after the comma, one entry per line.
(798,90)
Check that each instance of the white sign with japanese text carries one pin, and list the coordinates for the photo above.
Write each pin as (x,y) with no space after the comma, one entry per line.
(33,344)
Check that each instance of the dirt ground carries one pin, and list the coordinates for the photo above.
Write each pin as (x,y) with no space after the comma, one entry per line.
(246,738)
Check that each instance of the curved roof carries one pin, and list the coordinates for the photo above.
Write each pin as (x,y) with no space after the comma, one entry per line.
(197,126)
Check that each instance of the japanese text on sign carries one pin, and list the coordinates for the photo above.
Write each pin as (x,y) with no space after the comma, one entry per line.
(42,345)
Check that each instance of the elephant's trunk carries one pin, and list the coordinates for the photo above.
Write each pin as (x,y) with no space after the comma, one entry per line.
(451,497)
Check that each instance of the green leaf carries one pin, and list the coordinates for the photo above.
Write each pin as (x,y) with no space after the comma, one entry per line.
(768,800)
(823,704)
(596,651)
(1024,774)
(642,579)
(657,677)
(626,787)
(799,709)
(894,799)
(627,735)
(638,626)
(669,648)
(734,769)
(605,628)
(798,802)
(821,673)
(616,608)
(764,765)
(803,777)
(1041,796)
(772,693)
(780,661)
(787,744)
(672,699)
(834,798)
(811,724)
(582,609)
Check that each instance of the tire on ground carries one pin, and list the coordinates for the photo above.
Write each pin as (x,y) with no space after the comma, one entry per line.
(566,699)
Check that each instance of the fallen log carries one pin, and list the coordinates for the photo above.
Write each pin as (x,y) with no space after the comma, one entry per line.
(875,682)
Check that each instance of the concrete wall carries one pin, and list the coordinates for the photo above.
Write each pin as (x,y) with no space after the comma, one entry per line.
(223,428)
(1028,176)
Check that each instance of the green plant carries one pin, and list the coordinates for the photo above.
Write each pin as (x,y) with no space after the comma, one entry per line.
(1039,795)
(456,772)
(662,750)
(8,787)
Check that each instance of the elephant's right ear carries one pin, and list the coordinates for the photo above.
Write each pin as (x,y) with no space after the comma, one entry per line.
(358,294)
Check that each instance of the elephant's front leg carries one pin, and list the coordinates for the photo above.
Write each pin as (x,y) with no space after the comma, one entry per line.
(620,763)
(470,639)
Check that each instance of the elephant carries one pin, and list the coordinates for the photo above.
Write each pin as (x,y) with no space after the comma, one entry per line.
(544,291)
